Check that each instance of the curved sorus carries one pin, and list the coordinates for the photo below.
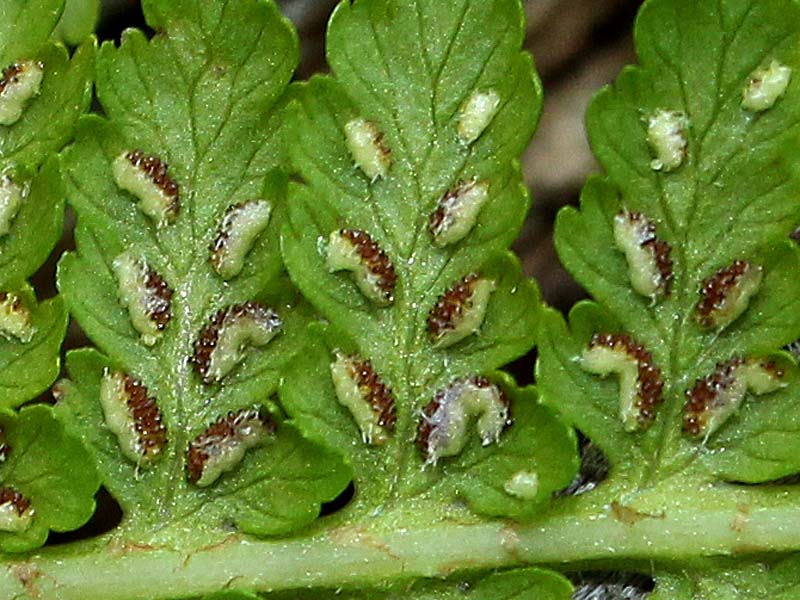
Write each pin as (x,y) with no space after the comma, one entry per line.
(354,250)
(460,311)
(716,397)
(11,197)
(222,446)
(20,82)
(641,385)
(133,416)
(238,231)
(145,294)
(443,424)
(726,294)
(15,319)
(147,178)
(368,147)
(457,211)
(16,512)
(667,134)
(222,342)
(649,260)
(361,390)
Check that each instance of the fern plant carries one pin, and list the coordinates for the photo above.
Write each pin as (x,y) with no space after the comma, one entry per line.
(302,293)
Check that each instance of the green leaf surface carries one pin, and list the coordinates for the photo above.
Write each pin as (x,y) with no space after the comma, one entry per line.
(78,20)
(516,584)
(278,486)
(750,581)
(203,95)
(49,119)
(46,123)
(733,197)
(410,69)
(27,369)
(26,26)
(50,469)
(27,162)
(35,229)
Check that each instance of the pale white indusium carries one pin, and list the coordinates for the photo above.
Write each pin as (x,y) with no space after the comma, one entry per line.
(476,114)
(667,132)
(20,82)
(765,85)
(367,145)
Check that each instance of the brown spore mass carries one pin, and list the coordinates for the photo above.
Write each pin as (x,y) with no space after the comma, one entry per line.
(225,428)
(375,259)
(650,381)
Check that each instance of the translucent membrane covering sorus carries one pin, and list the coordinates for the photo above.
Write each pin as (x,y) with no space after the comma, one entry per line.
(477,113)
(133,416)
(16,512)
(20,82)
(11,197)
(649,257)
(444,423)
(15,318)
(147,178)
(222,446)
(361,390)
(222,343)
(460,311)
(715,398)
(356,251)
(146,295)
(667,132)
(238,231)
(457,211)
(765,86)
(641,385)
(726,294)
(368,147)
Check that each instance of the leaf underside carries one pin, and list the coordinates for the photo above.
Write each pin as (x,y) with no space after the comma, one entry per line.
(203,95)
(731,198)
(46,476)
(413,94)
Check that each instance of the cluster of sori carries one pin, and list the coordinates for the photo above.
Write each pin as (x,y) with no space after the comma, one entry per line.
(20,82)
(459,312)
(724,295)
(130,411)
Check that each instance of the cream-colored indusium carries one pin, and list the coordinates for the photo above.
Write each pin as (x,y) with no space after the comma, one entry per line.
(457,212)
(765,85)
(604,360)
(523,484)
(635,236)
(354,398)
(476,114)
(12,521)
(141,299)
(134,173)
(366,144)
(344,254)
(21,82)
(11,197)
(667,132)
(15,319)
(456,406)
(238,232)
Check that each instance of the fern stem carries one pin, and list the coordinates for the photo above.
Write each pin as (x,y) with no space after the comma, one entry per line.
(352,556)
